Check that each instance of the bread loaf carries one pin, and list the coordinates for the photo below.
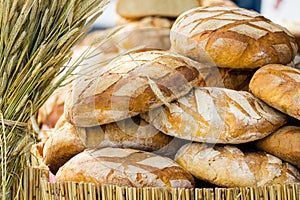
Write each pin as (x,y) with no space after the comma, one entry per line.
(228,166)
(231,37)
(216,115)
(283,143)
(92,58)
(129,133)
(135,133)
(293,26)
(143,8)
(129,85)
(124,167)
(62,145)
(278,86)
(149,32)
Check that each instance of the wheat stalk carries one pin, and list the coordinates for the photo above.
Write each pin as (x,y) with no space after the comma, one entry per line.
(36,37)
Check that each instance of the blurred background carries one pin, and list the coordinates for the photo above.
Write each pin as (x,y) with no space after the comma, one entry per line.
(273,9)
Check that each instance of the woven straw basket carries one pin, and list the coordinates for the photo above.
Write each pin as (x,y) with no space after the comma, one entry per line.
(36,187)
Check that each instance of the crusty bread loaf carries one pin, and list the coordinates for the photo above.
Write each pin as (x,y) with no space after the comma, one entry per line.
(231,37)
(279,86)
(125,167)
(92,58)
(283,143)
(164,8)
(62,145)
(293,26)
(216,115)
(149,32)
(129,85)
(230,167)
(129,133)
(135,133)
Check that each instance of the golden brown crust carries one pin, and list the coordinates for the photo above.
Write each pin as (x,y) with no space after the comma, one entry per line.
(216,115)
(278,86)
(230,167)
(283,143)
(129,133)
(130,85)
(231,37)
(125,167)
(62,145)
(135,133)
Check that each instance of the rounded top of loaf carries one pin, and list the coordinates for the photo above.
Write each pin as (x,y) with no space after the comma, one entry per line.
(125,167)
(228,166)
(231,37)
(129,85)
(279,86)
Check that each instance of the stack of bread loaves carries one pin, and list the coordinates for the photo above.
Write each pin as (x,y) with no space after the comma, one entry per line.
(194,93)
(148,29)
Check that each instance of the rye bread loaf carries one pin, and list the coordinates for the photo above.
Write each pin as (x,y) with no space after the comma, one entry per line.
(278,86)
(231,37)
(129,85)
(216,115)
(68,140)
(228,166)
(149,32)
(283,143)
(125,167)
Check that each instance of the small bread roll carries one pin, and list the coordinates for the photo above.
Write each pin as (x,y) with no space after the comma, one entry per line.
(232,38)
(228,166)
(283,143)
(278,86)
(129,85)
(216,115)
(144,8)
(124,167)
